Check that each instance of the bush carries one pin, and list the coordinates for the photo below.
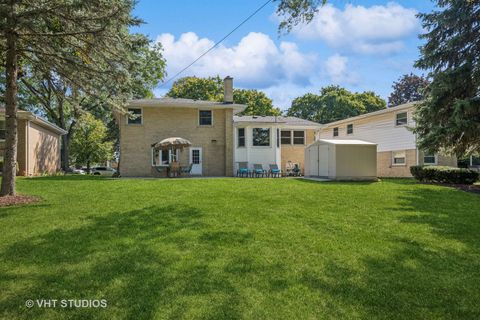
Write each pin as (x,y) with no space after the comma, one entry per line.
(444,174)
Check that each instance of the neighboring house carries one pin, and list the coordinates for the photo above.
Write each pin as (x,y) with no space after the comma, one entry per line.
(207,125)
(396,144)
(272,140)
(38,148)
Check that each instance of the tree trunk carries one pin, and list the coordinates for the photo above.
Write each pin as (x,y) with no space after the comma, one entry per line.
(65,152)
(11,89)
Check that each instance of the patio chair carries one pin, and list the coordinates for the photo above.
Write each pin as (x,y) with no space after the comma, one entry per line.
(289,168)
(274,171)
(296,170)
(186,170)
(174,169)
(258,170)
(242,169)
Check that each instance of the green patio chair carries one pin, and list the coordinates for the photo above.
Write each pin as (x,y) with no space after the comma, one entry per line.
(258,170)
(242,169)
(274,171)
(186,169)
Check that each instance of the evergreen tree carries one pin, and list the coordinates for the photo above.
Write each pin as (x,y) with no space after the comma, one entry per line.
(449,119)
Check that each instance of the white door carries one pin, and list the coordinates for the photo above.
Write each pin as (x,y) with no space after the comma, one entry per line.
(313,160)
(196,160)
(323,160)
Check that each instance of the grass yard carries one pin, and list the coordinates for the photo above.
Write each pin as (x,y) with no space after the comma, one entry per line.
(241,248)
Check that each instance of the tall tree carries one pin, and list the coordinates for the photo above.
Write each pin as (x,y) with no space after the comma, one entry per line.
(62,101)
(257,103)
(449,119)
(65,36)
(334,103)
(408,88)
(211,89)
(89,142)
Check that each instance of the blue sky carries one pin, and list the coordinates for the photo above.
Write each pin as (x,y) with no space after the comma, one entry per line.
(359,44)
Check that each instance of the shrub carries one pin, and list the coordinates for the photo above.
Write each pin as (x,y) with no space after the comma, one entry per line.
(444,174)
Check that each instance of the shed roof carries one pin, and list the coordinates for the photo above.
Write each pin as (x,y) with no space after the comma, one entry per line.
(347,142)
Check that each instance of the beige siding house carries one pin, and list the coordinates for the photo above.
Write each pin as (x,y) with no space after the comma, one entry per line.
(207,125)
(38,149)
(396,144)
(272,140)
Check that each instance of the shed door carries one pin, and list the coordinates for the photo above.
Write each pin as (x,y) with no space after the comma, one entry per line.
(313,160)
(323,160)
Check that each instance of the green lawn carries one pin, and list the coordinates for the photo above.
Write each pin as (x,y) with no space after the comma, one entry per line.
(241,248)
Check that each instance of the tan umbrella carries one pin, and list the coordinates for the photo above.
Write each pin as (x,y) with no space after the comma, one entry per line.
(172,143)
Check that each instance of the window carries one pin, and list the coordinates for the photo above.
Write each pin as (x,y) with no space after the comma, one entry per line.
(241,137)
(335,132)
(298,137)
(278,138)
(429,159)
(350,129)
(399,157)
(286,137)
(261,137)
(163,157)
(195,156)
(205,117)
(135,116)
(401,119)
(2,130)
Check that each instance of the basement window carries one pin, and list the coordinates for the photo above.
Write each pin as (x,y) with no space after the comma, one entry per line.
(399,158)
(429,159)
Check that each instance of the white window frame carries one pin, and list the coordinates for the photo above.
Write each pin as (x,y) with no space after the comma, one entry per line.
(404,157)
(346,129)
(141,117)
(269,137)
(396,119)
(291,137)
(304,138)
(430,163)
(244,137)
(159,160)
(198,116)
(333,132)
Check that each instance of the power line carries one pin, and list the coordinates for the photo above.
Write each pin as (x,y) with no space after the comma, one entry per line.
(217,43)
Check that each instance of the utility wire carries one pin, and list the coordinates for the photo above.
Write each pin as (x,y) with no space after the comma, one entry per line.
(217,43)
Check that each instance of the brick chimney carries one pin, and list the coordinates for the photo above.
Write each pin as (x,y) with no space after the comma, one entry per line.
(228,90)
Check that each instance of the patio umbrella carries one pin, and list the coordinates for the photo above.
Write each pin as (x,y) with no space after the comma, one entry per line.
(172,143)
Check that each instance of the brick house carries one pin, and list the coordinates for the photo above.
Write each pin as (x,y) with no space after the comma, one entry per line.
(38,148)
(396,144)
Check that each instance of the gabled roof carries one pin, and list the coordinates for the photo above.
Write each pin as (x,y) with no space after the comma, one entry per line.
(27,115)
(184,103)
(292,121)
(375,113)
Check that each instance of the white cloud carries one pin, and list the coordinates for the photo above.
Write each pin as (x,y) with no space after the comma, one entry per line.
(337,69)
(256,61)
(376,29)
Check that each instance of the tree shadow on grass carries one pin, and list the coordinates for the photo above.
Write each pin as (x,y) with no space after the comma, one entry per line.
(135,260)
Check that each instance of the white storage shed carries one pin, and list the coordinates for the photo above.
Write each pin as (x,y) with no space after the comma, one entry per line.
(337,159)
